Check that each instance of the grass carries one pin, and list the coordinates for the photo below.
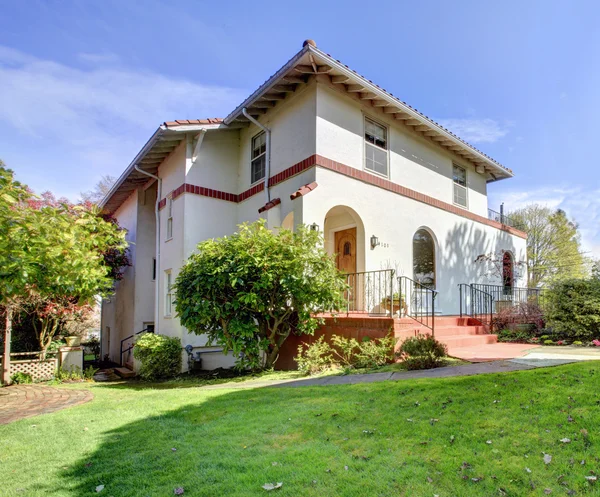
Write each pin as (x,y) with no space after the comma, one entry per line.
(408,438)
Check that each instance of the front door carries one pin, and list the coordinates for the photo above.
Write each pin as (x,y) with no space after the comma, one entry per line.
(345,258)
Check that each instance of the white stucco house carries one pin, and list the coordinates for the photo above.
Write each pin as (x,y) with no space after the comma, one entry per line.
(316,144)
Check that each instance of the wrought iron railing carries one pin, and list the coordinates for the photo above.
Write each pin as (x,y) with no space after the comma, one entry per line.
(514,295)
(476,303)
(371,292)
(149,329)
(417,301)
(504,219)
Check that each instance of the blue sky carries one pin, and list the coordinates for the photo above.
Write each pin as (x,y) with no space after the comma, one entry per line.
(84,84)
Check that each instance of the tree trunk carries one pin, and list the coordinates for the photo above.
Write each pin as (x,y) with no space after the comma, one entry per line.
(6,355)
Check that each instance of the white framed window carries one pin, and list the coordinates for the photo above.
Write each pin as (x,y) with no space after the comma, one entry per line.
(168,293)
(258,160)
(169,218)
(459,176)
(376,147)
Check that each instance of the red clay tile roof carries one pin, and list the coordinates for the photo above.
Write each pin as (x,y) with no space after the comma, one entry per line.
(303,190)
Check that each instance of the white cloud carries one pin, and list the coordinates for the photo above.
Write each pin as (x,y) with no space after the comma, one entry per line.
(580,204)
(100,114)
(475,130)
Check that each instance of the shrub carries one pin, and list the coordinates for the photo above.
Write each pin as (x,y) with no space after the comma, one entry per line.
(72,374)
(249,291)
(160,356)
(548,342)
(21,378)
(573,309)
(345,350)
(315,357)
(577,342)
(519,314)
(422,352)
(508,335)
(374,352)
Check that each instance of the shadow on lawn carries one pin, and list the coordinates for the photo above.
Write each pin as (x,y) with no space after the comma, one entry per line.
(335,440)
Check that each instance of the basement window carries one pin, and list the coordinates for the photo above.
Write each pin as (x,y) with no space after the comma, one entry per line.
(459,176)
(376,147)
(259,157)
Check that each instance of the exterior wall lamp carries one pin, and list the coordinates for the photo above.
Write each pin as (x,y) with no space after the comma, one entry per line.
(314,227)
(374,242)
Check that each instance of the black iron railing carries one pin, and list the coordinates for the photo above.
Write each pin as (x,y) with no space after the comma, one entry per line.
(371,292)
(513,295)
(476,303)
(417,301)
(504,219)
(149,329)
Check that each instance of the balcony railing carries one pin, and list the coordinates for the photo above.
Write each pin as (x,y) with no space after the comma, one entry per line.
(501,218)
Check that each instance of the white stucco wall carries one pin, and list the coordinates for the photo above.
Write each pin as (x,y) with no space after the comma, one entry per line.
(118,311)
(413,161)
(394,219)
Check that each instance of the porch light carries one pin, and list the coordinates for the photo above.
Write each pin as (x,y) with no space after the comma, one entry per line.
(314,227)
(374,242)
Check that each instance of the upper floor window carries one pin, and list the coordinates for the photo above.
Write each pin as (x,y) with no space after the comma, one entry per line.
(459,175)
(259,157)
(168,293)
(169,218)
(376,147)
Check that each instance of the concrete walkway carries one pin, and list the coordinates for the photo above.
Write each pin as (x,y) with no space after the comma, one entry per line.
(23,401)
(539,357)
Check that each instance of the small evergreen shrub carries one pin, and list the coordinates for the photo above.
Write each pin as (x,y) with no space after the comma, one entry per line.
(373,353)
(422,352)
(513,336)
(315,358)
(345,350)
(160,356)
(21,378)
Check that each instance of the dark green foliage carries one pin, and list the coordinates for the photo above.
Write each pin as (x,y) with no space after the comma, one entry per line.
(422,352)
(514,335)
(249,291)
(573,309)
(160,356)
(21,378)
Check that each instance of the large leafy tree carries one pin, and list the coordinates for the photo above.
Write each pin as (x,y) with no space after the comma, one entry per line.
(248,292)
(52,257)
(553,245)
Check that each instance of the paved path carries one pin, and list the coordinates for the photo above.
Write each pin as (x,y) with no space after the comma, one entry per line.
(22,401)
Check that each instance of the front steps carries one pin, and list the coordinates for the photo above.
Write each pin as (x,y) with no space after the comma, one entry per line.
(456,332)
(124,372)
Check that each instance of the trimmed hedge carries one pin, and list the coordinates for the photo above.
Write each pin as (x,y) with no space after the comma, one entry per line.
(160,356)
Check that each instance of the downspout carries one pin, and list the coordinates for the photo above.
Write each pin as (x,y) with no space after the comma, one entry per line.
(268,144)
(157,215)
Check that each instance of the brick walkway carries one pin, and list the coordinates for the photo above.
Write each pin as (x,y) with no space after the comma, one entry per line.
(23,401)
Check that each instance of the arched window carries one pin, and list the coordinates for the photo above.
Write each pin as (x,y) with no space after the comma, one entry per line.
(347,248)
(424,258)
(508,278)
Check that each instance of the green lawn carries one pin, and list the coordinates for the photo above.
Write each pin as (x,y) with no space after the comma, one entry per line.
(407,438)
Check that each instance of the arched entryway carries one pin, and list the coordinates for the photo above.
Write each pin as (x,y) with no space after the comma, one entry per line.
(424,266)
(508,276)
(345,237)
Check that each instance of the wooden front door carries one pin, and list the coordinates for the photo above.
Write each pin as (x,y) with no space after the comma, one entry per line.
(345,250)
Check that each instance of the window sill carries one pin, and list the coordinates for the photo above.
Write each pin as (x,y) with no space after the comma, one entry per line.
(168,317)
(370,171)
(168,239)
(465,207)
(257,182)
